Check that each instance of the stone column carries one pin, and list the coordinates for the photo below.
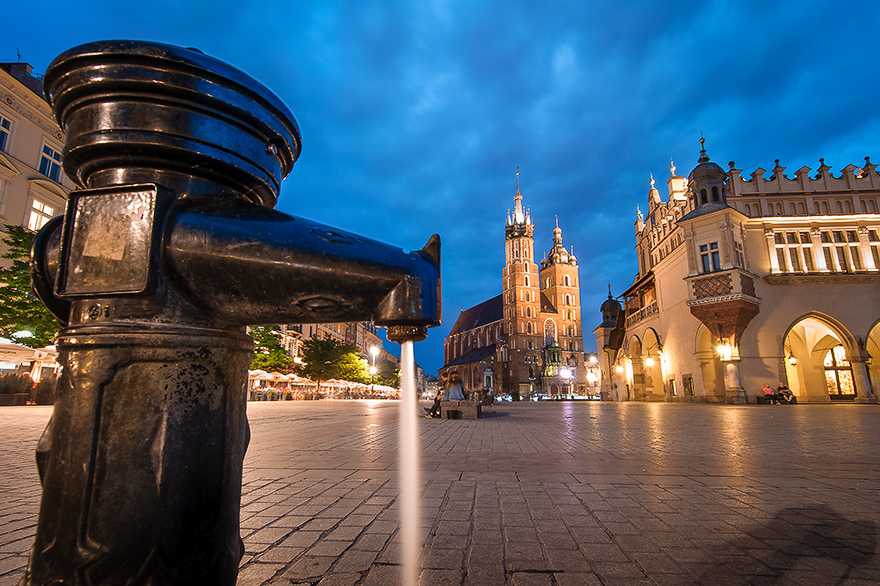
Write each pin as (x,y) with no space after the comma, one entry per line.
(863,385)
(732,384)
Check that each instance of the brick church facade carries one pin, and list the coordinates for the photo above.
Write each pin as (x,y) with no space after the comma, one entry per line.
(527,340)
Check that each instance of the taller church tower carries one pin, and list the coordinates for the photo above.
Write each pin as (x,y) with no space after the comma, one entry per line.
(521,302)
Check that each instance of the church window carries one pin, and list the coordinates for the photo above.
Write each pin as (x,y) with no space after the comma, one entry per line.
(529,328)
(547,284)
(567,299)
(526,281)
(528,312)
(566,281)
(531,372)
(709,257)
(838,374)
(528,297)
(549,332)
(703,197)
(714,193)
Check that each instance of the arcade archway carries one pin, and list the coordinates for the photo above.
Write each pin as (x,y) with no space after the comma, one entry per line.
(822,359)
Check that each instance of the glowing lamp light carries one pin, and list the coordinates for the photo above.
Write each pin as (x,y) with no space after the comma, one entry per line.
(649,362)
(724,351)
(591,377)
(792,360)
(618,368)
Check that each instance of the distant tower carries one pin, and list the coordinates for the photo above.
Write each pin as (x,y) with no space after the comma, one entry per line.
(562,342)
(521,301)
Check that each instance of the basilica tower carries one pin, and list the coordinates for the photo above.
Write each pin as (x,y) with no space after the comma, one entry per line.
(521,302)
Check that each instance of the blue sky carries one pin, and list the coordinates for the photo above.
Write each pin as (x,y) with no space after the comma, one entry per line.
(416,115)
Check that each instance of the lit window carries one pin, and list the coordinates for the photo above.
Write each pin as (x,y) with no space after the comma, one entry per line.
(50,163)
(40,214)
(841,251)
(5,131)
(838,374)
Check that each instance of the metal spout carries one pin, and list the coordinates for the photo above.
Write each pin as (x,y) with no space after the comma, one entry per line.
(249,265)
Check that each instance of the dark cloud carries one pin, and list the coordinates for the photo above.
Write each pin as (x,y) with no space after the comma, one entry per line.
(415,116)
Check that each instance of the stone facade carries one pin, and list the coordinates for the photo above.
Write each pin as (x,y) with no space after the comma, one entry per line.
(33,187)
(745,282)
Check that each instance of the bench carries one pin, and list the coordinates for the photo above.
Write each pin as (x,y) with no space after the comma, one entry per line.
(762,400)
(459,409)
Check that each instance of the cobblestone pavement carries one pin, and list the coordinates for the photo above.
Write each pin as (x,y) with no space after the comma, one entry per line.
(538,494)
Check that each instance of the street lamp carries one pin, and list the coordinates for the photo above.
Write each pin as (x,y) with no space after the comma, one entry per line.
(566,374)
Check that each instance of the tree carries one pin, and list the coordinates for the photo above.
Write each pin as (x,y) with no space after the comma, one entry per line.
(20,310)
(268,353)
(328,359)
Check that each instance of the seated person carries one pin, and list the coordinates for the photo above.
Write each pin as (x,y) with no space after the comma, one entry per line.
(455,392)
(441,391)
(770,395)
(783,393)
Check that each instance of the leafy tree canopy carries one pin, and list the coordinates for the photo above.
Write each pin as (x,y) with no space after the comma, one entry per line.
(329,359)
(20,310)
(268,353)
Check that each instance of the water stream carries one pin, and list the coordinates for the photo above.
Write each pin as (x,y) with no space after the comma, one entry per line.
(410,540)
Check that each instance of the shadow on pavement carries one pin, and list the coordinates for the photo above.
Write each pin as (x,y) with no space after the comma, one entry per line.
(803,537)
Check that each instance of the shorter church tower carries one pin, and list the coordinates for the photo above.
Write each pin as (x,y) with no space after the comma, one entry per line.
(561,312)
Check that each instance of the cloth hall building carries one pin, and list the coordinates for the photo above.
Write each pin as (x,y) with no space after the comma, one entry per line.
(746,282)
(527,340)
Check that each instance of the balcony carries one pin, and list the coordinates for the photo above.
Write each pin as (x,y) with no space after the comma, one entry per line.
(640,314)
(719,286)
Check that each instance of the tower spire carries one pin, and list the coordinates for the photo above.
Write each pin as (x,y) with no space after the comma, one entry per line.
(704,158)
(518,215)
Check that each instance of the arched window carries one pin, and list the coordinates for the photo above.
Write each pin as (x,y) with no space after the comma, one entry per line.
(526,281)
(714,193)
(838,374)
(704,198)
(528,312)
(549,332)
(566,281)
(567,299)
(529,328)
(528,297)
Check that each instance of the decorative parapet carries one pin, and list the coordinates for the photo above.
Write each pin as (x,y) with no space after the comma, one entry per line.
(732,284)
(852,178)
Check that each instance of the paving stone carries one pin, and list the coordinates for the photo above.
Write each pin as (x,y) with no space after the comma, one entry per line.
(518,498)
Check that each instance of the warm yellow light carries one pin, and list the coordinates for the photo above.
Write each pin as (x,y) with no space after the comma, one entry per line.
(649,362)
(618,368)
(725,351)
